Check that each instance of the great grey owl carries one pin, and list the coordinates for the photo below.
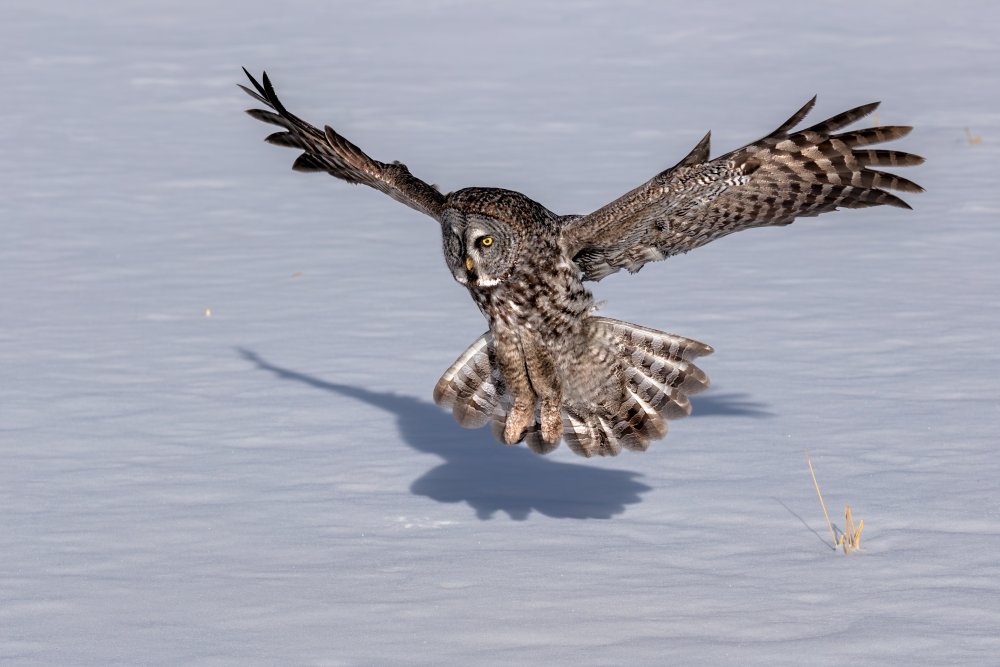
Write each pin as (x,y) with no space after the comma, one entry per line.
(549,368)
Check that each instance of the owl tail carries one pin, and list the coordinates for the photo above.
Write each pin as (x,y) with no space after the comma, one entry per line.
(649,378)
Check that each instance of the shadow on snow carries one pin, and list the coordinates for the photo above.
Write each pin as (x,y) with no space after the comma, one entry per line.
(491,477)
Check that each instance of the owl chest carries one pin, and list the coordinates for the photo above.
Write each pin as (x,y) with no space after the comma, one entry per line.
(547,306)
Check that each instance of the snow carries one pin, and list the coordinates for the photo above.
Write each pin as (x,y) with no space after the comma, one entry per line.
(216,429)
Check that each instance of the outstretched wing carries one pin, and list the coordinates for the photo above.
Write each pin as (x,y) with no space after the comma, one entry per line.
(783,176)
(330,152)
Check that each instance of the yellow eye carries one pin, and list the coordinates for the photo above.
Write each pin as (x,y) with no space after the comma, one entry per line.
(486,241)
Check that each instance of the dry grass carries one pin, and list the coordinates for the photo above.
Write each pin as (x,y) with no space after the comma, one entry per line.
(973,139)
(850,537)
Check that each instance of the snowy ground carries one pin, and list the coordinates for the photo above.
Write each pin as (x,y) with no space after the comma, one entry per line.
(273,485)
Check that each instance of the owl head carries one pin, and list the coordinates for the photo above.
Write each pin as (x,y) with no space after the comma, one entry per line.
(484,230)
(480,250)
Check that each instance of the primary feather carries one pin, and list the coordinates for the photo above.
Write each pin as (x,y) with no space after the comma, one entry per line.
(772,181)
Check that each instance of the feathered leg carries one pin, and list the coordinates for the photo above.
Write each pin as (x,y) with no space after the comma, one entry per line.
(510,360)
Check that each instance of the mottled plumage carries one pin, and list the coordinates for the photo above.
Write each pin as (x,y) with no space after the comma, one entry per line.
(550,369)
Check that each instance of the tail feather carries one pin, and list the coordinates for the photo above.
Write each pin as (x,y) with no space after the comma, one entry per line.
(655,422)
(472,386)
(669,401)
(590,434)
(656,375)
(669,371)
(657,342)
(660,368)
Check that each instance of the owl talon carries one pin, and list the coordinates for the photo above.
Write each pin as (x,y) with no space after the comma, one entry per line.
(520,418)
(551,422)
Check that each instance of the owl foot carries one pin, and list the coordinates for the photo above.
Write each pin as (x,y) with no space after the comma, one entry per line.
(551,421)
(521,416)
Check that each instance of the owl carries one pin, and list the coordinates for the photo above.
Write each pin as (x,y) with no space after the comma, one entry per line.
(549,368)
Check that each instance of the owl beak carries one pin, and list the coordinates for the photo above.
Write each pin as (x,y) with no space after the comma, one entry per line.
(471,275)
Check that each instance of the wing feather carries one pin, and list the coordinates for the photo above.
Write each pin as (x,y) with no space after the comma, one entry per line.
(329,151)
(785,175)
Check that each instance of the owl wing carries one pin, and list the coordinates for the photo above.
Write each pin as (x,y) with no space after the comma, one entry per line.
(330,152)
(772,181)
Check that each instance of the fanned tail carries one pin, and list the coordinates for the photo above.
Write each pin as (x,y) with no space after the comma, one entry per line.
(657,376)
(653,372)
(472,386)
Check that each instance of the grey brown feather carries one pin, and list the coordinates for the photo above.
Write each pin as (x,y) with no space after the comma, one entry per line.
(548,369)
(781,177)
(328,151)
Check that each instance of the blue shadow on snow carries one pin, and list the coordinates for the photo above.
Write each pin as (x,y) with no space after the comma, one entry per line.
(492,477)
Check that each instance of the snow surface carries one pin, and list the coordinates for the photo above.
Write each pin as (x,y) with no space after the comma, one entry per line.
(271,484)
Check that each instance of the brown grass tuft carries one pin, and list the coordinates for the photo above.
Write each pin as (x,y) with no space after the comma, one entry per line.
(850,537)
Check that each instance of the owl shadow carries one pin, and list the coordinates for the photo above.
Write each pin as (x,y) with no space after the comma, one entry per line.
(728,404)
(477,470)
